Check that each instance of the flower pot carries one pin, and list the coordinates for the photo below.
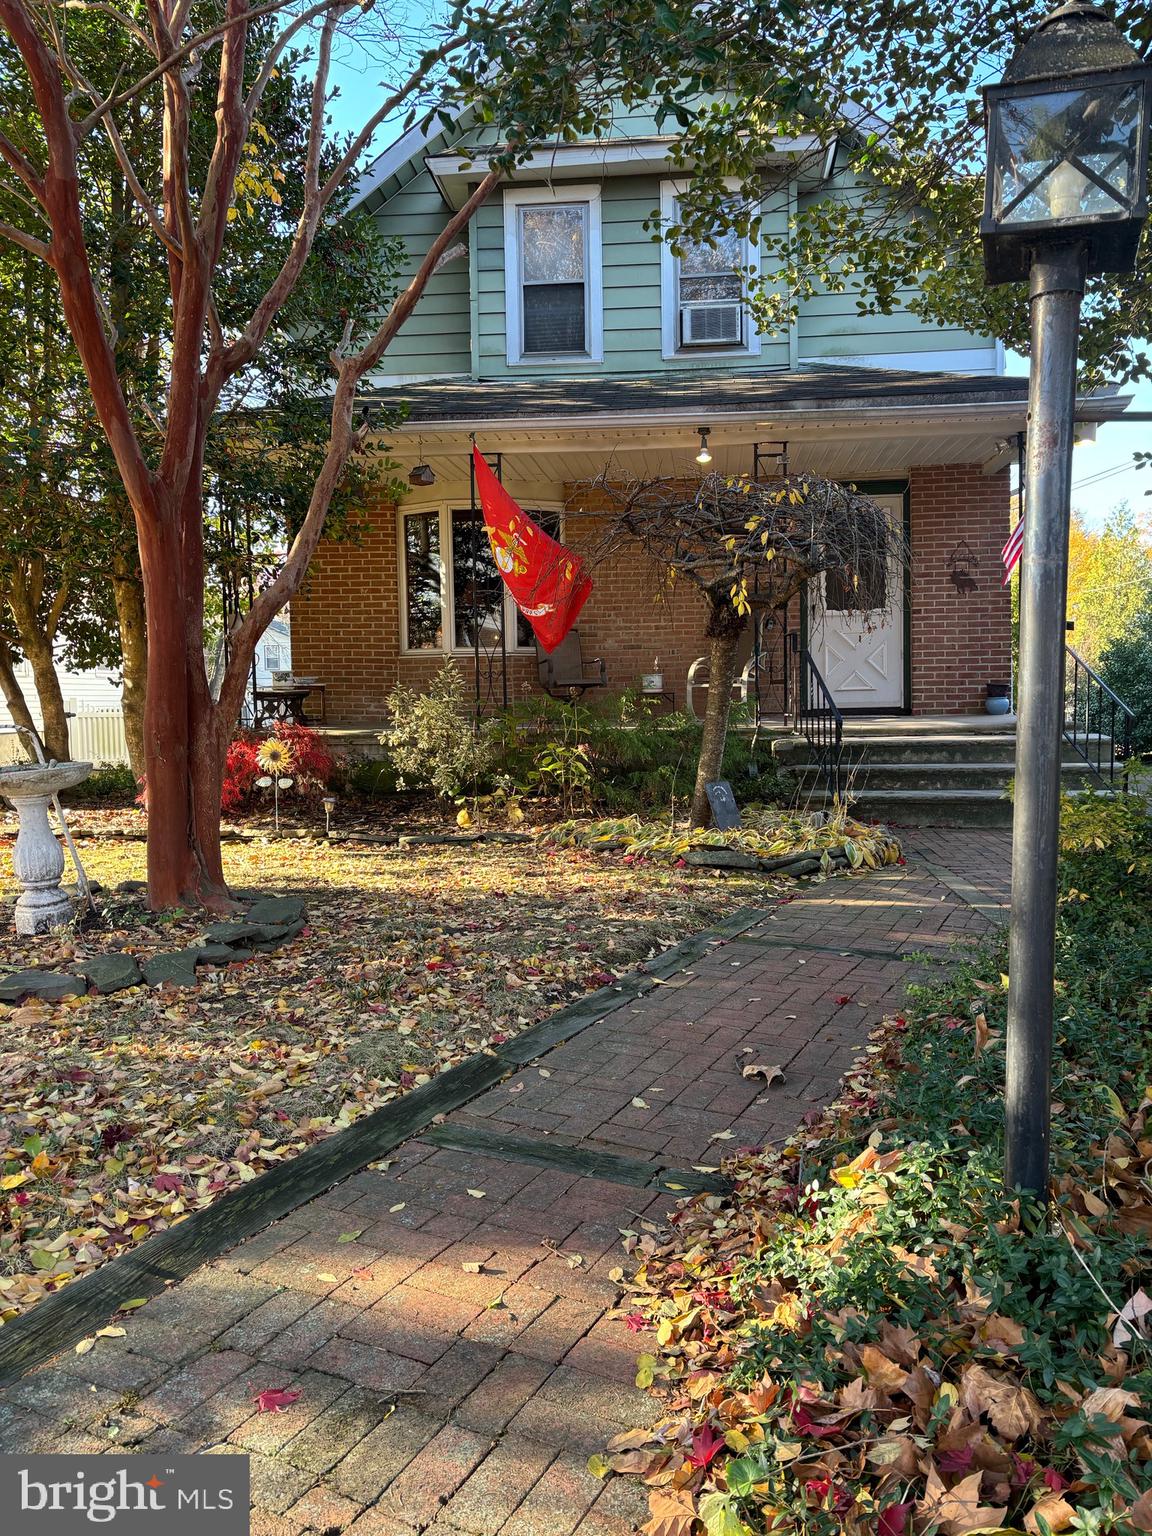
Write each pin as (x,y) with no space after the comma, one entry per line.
(998,698)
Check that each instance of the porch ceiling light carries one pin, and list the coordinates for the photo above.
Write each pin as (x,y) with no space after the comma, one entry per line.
(1068,134)
(704,456)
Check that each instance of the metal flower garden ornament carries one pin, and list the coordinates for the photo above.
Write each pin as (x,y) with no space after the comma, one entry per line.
(275,757)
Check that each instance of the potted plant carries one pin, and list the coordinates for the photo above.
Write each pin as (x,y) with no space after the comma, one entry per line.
(998,698)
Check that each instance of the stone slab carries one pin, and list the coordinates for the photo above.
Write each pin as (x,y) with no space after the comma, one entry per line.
(49,985)
(110,973)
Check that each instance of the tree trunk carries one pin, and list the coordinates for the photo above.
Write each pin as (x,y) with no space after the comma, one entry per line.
(183,757)
(723,632)
(55,732)
(13,693)
(128,591)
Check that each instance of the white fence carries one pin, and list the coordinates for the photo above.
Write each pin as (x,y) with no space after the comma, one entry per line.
(94,736)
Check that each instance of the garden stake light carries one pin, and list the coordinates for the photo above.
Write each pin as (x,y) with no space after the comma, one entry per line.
(1066,197)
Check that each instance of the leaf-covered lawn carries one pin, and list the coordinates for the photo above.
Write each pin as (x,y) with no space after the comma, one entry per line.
(119,1115)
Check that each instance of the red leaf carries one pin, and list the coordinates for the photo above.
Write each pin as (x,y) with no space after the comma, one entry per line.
(167,1183)
(636,1322)
(840,1001)
(894,1520)
(273,1399)
(706,1445)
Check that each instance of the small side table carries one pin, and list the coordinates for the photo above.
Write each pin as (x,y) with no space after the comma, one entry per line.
(667,694)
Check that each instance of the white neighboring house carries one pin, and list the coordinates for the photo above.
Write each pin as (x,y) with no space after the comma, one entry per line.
(92,697)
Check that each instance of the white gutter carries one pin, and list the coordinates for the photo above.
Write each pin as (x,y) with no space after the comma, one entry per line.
(939,417)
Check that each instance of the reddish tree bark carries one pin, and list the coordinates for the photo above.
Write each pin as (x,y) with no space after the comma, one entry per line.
(185,730)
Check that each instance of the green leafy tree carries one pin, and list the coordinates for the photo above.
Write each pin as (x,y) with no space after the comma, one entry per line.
(1109,579)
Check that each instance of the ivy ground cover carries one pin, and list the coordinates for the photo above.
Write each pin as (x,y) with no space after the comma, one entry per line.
(868,1335)
(121,1114)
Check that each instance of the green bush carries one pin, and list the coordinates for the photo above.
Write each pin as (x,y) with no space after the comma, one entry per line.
(112,784)
(434,739)
(371,777)
(1126,667)
(637,758)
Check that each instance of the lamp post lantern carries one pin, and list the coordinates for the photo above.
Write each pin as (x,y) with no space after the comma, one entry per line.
(1066,197)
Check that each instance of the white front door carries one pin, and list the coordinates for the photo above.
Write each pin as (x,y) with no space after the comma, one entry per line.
(860,653)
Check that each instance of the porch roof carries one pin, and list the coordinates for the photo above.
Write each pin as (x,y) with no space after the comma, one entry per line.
(668,398)
(859,423)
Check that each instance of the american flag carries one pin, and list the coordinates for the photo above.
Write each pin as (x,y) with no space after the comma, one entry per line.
(1012,551)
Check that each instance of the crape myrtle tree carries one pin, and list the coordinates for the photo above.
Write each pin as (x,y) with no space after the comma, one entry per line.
(745,544)
(535,70)
(71,585)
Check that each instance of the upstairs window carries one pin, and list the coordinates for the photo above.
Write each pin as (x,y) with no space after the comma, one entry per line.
(710,292)
(552,275)
(703,289)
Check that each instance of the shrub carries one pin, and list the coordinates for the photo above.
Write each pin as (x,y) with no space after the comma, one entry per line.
(313,764)
(113,784)
(434,738)
(370,777)
(1126,667)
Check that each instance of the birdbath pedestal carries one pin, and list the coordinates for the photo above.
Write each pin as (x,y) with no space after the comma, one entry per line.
(37,857)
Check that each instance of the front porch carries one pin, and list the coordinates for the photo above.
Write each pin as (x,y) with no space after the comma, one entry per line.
(418,585)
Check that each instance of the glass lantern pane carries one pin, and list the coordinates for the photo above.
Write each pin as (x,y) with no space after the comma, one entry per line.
(1066,155)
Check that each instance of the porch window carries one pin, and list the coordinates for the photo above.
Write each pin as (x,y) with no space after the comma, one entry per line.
(552,275)
(864,590)
(456,596)
(423,596)
(703,289)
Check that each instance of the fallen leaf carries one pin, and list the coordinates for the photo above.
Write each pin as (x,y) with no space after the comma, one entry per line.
(276,1399)
(477,1194)
(640,1104)
(723,1136)
(399,1206)
(773,1074)
(350,1237)
(669,1514)
(957,1510)
(1056,1512)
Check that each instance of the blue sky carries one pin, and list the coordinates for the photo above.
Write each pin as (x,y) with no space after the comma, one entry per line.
(1103,475)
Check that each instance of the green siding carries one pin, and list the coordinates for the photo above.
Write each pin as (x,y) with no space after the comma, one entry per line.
(459,325)
(830,325)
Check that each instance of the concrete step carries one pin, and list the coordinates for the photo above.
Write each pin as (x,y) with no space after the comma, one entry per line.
(927,807)
(935,747)
(941,777)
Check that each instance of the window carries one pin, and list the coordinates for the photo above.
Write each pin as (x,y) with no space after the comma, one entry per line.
(273,661)
(457,598)
(552,275)
(423,601)
(849,589)
(703,290)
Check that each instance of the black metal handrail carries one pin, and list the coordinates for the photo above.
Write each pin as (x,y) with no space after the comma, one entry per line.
(1097,722)
(816,715)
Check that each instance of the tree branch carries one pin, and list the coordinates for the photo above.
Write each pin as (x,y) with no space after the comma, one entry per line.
(23,167)
(28,243)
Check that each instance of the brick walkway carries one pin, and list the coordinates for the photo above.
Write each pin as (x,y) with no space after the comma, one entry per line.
(453,1357)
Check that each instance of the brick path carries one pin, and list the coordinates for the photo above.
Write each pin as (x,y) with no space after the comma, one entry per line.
(454,1360)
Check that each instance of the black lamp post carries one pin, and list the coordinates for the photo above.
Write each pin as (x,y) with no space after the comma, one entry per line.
(1067,196)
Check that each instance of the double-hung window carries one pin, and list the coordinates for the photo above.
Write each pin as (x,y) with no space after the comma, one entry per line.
(552,275)
(703,289)
(451,588)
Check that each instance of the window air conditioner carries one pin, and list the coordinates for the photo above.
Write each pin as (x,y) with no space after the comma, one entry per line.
(712,324)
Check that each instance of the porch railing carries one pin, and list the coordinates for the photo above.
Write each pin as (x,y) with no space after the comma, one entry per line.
(1097,722)
(816,716)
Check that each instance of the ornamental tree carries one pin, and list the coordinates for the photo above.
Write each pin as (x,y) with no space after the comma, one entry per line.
(744,543)
(205,69)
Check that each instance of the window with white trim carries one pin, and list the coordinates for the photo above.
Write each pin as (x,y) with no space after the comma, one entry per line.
(703,287)
(553,285)
(450,587)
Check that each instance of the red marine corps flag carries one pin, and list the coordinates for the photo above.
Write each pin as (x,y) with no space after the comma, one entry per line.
(548,583)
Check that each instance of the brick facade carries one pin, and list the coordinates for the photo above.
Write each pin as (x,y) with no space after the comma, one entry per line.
(960,640)
(346,619)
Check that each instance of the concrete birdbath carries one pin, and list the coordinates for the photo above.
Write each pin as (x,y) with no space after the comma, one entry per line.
(37,857)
